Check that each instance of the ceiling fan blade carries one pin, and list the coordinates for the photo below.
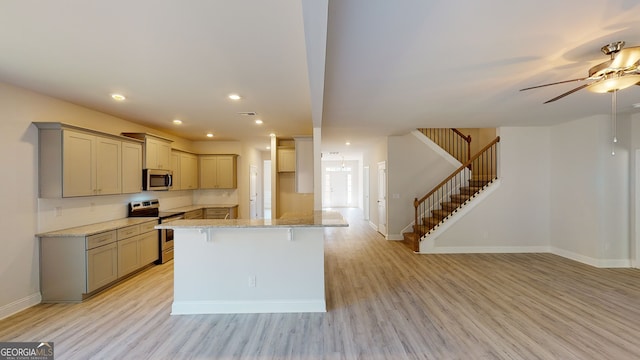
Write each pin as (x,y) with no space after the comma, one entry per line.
(567,93)
(555,83)
(626,58)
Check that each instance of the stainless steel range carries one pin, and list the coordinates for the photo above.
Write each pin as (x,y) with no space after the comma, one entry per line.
(151,208)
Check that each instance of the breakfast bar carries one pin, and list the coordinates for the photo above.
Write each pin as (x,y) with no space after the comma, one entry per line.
(251,266)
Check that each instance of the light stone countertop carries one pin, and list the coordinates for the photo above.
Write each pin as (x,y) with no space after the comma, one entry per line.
(315,219)
(202,206)
(86,230)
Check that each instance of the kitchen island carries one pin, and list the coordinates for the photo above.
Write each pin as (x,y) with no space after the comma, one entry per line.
(250,266)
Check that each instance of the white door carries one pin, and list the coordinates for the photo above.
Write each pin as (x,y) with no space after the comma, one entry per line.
(382,198)
(365,184)
(253,192)
(338,183)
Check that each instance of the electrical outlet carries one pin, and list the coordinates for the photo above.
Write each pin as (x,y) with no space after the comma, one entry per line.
(252,281)
(58,211)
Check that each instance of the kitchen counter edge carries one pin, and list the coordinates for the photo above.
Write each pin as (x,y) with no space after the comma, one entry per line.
(317,219)
(91,229)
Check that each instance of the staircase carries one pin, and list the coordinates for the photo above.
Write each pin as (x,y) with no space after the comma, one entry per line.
(453,193)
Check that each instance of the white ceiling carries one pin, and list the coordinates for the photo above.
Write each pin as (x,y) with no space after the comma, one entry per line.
(390,66)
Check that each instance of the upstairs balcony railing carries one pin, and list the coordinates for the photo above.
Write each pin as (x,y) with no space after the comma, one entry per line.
(451,140)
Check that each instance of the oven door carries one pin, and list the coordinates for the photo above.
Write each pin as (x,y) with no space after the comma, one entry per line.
(166,239)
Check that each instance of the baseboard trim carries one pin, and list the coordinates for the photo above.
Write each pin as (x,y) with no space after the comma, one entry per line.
(373,226)
(247,307)
(486,250)
(19,305)
(395,237)
(599,263)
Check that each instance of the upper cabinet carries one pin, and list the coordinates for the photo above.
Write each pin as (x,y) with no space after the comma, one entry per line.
(78,162)
(218,171)
(131,167)
(185,170)
(286,159)
(157,150)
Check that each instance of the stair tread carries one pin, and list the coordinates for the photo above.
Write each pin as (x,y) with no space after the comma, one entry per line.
(459,198)
(440,213)
(450,206)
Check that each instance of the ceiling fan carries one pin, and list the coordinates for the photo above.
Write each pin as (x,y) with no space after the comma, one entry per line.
(620,72)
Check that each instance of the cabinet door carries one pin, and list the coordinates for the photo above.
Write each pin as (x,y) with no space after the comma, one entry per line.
(108,166)
(157,154)
(216,213)
(128,256)
(164,155)
(208,172)
(149,247)
(102,266)
(189,171)
(194,214)
(175,167)
(286,160)
(131,168)
(78,165)
(226,174)
(151,153)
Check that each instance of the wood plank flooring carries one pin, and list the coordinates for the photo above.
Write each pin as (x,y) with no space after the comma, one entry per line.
(383,303)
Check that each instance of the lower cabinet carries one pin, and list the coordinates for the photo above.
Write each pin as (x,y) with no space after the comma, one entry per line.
(221,213)
(138,246)
(194,214)
(102,266)
(136,252)
(73,268)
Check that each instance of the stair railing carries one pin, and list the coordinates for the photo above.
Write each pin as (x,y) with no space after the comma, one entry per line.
(451,140)
(461,182)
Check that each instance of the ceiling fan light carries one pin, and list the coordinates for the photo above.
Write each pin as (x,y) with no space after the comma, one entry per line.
(615,83)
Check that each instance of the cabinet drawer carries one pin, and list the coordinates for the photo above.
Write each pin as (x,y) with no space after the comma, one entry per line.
(195,214)
(148,226)
(100,239)
(216,213)
(128,232)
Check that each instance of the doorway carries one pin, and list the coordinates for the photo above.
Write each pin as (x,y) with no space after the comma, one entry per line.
(365,190)
(382,198)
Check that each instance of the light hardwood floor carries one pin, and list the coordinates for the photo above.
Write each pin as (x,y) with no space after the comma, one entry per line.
(383,303)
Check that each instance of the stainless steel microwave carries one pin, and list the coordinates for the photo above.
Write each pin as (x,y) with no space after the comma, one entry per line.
(157,179)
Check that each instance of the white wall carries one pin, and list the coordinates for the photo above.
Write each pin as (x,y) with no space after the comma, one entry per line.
(374,154)
(413,170)
(590,191)
(515,216)
(634,190)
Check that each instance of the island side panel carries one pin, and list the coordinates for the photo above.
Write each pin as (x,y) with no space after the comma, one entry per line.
(249,270)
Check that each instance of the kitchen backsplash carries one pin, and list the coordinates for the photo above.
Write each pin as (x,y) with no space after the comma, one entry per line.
(56,214)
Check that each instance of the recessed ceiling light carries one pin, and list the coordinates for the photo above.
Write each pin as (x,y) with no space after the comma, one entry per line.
(347,143)
(234,97)
(272,134)
(177,121)
(258,121)
(209,134)
(118,97)
(268,147)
